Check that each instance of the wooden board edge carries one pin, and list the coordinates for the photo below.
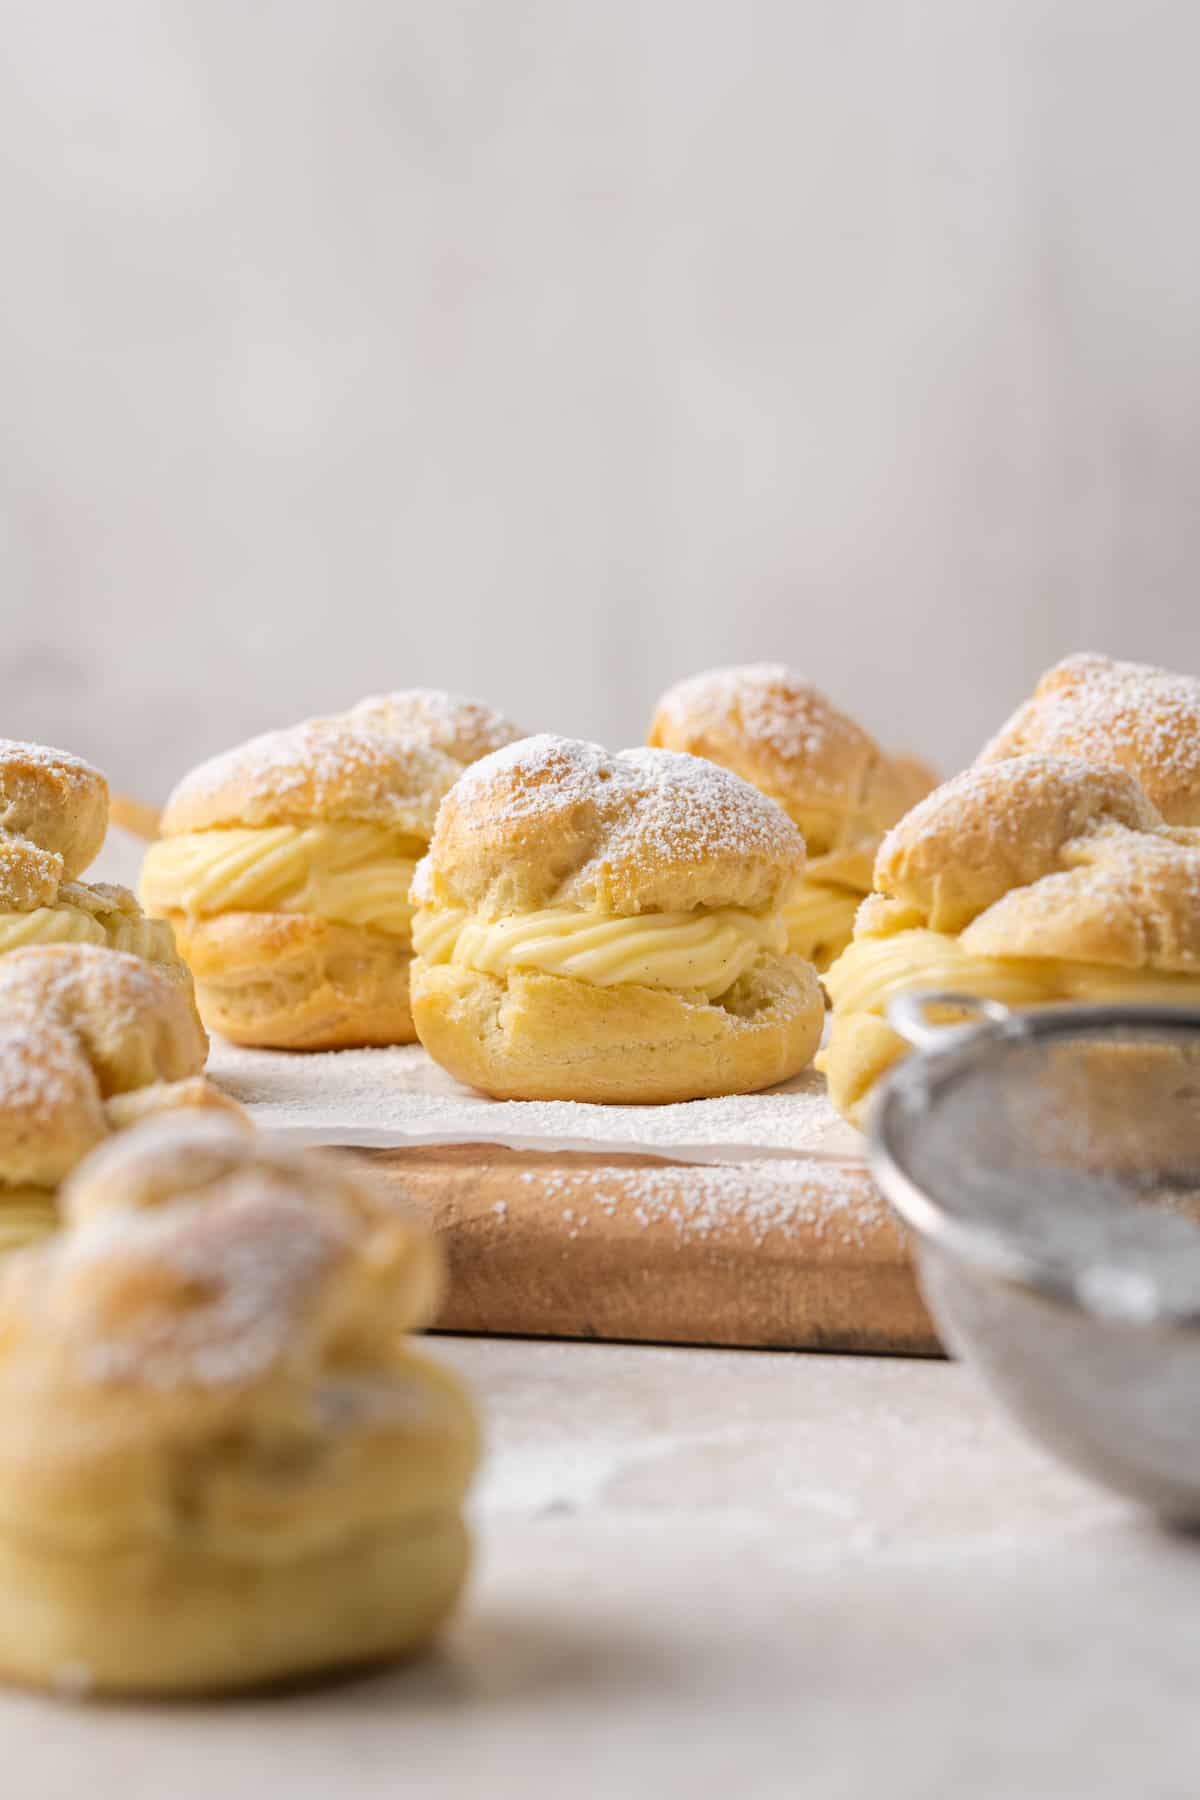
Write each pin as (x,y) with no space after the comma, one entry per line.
(635,1249)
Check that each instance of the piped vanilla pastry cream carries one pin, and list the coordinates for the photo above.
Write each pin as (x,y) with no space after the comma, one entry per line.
(285,867)
(222,1461)
(610,927)
(1028,881)
(1119,715)
(91,1040)
(53,819)
(834,782)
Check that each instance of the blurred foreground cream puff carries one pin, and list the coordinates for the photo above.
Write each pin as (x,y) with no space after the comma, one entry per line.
(222,1462)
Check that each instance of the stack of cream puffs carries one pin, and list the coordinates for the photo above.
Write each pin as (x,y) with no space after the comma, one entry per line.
(53,820)
(556,922)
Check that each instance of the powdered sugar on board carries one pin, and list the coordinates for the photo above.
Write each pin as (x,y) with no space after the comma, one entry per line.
(826,1202)
(390,1099)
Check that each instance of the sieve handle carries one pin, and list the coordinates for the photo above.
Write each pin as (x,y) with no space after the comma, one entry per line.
(907,1014)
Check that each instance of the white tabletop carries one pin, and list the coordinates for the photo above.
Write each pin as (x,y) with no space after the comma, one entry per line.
(717,1573)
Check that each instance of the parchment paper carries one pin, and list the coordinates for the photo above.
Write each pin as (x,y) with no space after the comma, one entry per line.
(384,1099)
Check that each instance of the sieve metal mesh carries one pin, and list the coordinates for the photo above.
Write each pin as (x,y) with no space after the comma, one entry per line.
(1066,1149)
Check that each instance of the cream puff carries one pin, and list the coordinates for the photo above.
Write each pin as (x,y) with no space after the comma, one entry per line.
(222,1463)
(610,927)
(285,867)
(1025,881)
(831,778)
(1118,715)
(53,819)
(90,1041)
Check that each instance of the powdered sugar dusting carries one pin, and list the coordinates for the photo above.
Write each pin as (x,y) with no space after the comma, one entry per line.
(464,729)
(1029,803)
(42,1069)
(57,762)
(222,1289)
(832,1202)
(398,1096)
(675,805)
(553,770)
(1128,715)
(690,806)
(322,768)
(774,713)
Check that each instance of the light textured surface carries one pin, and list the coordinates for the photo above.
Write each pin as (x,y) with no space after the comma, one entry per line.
(554,349)
(382,1099)
(712,1573)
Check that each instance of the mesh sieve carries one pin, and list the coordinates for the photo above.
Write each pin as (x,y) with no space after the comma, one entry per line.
(1057,1148)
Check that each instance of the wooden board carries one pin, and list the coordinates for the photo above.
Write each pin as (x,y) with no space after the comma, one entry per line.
(749,1221)
(767,1254)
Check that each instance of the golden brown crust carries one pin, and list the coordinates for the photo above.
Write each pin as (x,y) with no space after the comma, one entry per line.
(1125,899)
(51,1108)
(287,981)
(1122,715)
(547,1037)
(81,1025)
(133,1024)
(55,800)
(462,728)
(780,733)
(29,876)
(1000,827)
(323,769)
(220,1461)
(552,820)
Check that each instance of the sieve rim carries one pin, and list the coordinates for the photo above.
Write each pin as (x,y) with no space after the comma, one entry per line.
(985,1247)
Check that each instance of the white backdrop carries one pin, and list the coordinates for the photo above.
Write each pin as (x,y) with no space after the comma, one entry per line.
(553,348)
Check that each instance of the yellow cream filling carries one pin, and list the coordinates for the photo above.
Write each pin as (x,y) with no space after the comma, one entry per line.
(350,874)
(702,951)
(874,970)
(50,925)
(91,923)
(820,921)
(27,1214)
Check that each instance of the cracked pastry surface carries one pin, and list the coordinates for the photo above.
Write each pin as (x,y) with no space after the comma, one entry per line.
(90,1041)
(610,927)
(222,1463)
(285,867)
(1028,881)
(1121,715)
(780,733)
